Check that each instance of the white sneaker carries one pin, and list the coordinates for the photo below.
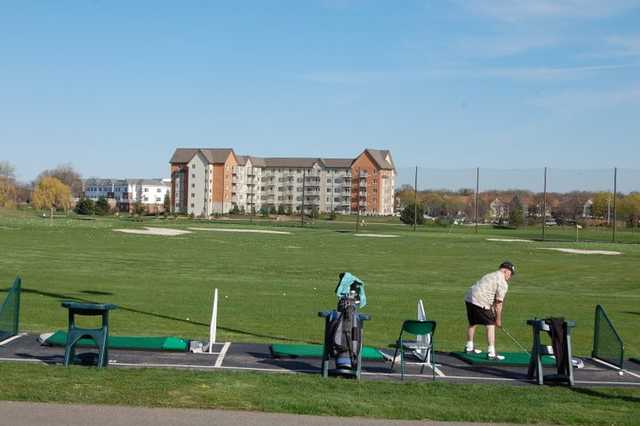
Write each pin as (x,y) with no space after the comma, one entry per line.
(472,351)
(495,357)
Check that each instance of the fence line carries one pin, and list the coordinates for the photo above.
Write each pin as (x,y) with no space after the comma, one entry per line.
(591,199)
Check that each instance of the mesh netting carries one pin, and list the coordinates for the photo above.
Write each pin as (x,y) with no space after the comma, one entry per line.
(9,311)
(607,344)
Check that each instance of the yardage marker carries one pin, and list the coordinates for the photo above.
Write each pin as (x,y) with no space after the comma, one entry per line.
(615,367)
(11,339)
(223,353)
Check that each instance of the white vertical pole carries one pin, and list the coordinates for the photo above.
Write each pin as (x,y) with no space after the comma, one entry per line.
(214,320)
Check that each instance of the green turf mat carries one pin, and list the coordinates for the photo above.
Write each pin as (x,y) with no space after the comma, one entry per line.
(315,351)
(511,359)
(142,343)
(637,360)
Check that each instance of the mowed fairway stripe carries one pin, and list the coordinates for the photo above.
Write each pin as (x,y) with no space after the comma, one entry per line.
(247,231)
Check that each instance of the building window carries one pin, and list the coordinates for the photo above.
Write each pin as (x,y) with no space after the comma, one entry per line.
(146,190)
(158,199)
(193,195)
(158,190)
(191,205)
(193,185)
(193,175)
(193,166)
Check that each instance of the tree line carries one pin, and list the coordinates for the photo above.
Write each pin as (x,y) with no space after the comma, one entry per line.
(520,206)
(54,189)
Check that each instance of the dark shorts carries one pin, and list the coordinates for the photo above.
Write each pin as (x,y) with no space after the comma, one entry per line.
(480,316)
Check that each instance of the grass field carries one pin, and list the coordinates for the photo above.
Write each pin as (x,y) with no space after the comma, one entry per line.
(309,394)
(271,288)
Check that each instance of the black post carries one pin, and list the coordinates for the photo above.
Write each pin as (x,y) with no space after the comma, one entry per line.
(415,200)
(615,194)
(304,183)
(477,195)
(544,203)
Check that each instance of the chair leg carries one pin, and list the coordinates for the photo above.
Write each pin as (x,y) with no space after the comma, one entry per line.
(393,361)
(401,364)
(103,351)
(70,349)
(433,361)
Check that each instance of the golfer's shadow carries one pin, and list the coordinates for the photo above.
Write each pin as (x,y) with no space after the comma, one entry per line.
(290,363)
(62,297)
(597,394)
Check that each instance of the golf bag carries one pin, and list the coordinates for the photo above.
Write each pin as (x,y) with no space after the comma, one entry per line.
(344,336)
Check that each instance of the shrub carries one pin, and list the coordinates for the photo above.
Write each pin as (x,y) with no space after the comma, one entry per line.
(86,206)
(102,207)
(407,214)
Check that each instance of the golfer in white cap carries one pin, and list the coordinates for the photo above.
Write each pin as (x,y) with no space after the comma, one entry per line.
(484,301)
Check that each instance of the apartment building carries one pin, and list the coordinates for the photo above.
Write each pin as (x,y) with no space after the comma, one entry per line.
(215,181)
(125,192)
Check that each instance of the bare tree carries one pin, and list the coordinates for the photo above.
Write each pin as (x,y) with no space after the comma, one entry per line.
(66,174)
(7,170)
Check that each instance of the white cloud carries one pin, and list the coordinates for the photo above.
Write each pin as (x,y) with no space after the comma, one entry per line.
(583,100)
(503,46)
(520,10)
(348,77)
(550,73)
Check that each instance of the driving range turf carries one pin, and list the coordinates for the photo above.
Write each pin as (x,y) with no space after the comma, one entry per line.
(272,286)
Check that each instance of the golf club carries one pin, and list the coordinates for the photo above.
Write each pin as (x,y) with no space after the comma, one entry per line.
(514,339)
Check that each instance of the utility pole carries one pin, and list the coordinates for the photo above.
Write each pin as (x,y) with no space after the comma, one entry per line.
(415,200)
(615,194)
(477,195)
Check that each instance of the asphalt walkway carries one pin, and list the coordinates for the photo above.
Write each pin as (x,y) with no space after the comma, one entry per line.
(39,414)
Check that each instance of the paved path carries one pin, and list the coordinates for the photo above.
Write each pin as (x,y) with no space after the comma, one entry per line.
(39,414)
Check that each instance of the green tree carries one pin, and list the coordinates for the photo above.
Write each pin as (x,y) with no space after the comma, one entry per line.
(235,210)
(410,211)
(51,194)
(515,212)
(167,203)
(281,209)
(102,206)
(86,206)
(264,211)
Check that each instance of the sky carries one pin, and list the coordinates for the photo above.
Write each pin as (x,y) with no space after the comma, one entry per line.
(114,87)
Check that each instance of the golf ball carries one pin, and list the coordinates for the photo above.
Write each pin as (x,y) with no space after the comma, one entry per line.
(620,373)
